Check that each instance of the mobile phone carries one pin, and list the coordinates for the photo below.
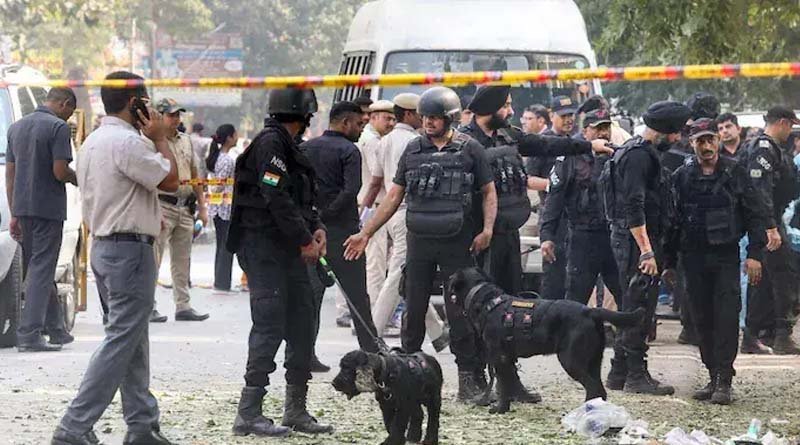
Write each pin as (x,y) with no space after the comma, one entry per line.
(139,105)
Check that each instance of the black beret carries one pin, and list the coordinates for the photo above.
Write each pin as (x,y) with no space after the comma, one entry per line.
(667,116)
(489,99)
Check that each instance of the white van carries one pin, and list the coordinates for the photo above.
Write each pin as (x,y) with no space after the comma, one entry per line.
(16,102)
(442,36)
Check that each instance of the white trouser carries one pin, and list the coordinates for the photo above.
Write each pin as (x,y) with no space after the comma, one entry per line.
(389,297)
(377,263)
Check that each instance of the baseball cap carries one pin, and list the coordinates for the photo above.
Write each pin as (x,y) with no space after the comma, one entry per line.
(702,127)
(562,105)
(779,112)
(169,106)
(596,117)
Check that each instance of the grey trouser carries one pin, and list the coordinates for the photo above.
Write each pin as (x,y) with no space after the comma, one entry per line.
(41,242)
(126,273)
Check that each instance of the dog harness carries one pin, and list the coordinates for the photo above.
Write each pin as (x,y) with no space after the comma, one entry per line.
(391,362)
(517,314)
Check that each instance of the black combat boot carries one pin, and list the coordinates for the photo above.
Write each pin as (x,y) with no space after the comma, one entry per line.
(639,381)
(616,376)
(688,336)
(250,419)
(468,389)
(784,344)
(707,391)
(722,394)
(521,394)
(295,414)
(752,345)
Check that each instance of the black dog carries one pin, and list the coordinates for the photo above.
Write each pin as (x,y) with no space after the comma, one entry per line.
(511,327)
(402,384)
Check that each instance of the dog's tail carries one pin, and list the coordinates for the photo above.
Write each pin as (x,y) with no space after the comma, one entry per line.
(618,319)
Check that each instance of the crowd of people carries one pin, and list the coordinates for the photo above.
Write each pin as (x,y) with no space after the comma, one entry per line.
(393,198)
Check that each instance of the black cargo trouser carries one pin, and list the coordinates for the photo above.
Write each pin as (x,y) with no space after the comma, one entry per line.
(633,339)
(714,290)
(554,279)
(353,277)
(281,307)
(590,256)
(775,302)
(505,261)
(319,291)
(450,255)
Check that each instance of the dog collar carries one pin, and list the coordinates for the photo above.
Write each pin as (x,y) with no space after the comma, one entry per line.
(471,294)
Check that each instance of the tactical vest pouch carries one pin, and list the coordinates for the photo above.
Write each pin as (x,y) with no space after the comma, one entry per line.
(607,192)
(511,183)
(719,227)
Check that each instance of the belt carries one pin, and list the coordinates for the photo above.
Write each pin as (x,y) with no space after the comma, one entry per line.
(127,237)
(174,200)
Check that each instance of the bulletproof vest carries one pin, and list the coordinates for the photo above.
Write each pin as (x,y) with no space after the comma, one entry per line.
(675,157)
(584,203)
(301,186)
(511,183)
(438,189)
(658,206)
(708,213)
(787,182)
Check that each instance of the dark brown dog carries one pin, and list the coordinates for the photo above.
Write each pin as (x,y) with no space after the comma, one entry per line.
(512,327)
(403,384)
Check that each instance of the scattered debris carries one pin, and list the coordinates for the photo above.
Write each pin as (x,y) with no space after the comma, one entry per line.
(596,417)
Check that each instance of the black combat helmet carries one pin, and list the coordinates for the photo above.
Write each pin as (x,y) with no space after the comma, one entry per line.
(291,101)
(441,102)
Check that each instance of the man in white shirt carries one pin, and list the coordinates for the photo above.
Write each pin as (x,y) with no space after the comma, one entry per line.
(120,173)
(390,150)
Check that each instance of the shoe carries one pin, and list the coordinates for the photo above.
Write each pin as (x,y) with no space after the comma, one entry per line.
(723,393)
(486,396)
(250,419)
(219,291)
(343,321)
(784,344)
(617,375)
(152,437)
(521,394)
(295,414)
(639,380)
(707,391)
(688,337)
(468,390)
(61,338)
(156,317)
(37,345)
(61,437)
(441,343)
(752,345)
(190,315)
(317,366)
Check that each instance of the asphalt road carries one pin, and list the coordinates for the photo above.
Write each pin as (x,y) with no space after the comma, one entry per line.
(197,373)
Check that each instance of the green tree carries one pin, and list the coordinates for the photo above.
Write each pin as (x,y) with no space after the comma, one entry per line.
(681,32)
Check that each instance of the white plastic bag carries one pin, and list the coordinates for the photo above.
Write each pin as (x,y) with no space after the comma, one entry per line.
(595,417)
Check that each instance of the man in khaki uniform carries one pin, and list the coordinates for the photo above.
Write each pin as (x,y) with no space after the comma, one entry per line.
(177,221)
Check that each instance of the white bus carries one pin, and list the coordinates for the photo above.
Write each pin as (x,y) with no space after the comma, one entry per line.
(440,36)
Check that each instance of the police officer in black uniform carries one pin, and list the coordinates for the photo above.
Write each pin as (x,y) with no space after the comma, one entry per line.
(636,196)
(439,173)
(777,300)
(715,203)
(574,195)
(275,231)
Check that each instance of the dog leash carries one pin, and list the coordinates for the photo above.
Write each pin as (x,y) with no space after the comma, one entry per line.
(382,346)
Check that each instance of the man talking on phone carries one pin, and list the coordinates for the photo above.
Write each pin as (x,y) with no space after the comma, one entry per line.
(121,169)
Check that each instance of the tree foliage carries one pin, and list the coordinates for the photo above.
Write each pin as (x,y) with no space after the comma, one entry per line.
(683,32)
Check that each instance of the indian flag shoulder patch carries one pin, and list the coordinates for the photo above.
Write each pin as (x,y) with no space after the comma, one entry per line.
(271,179)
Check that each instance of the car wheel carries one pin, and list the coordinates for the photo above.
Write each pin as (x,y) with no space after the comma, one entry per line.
(11,302)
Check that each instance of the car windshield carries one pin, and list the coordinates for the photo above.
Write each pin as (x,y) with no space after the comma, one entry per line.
(6,119)
(522,95)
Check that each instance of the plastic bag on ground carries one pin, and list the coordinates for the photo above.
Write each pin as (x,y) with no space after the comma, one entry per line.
(595,417)
(677,436)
